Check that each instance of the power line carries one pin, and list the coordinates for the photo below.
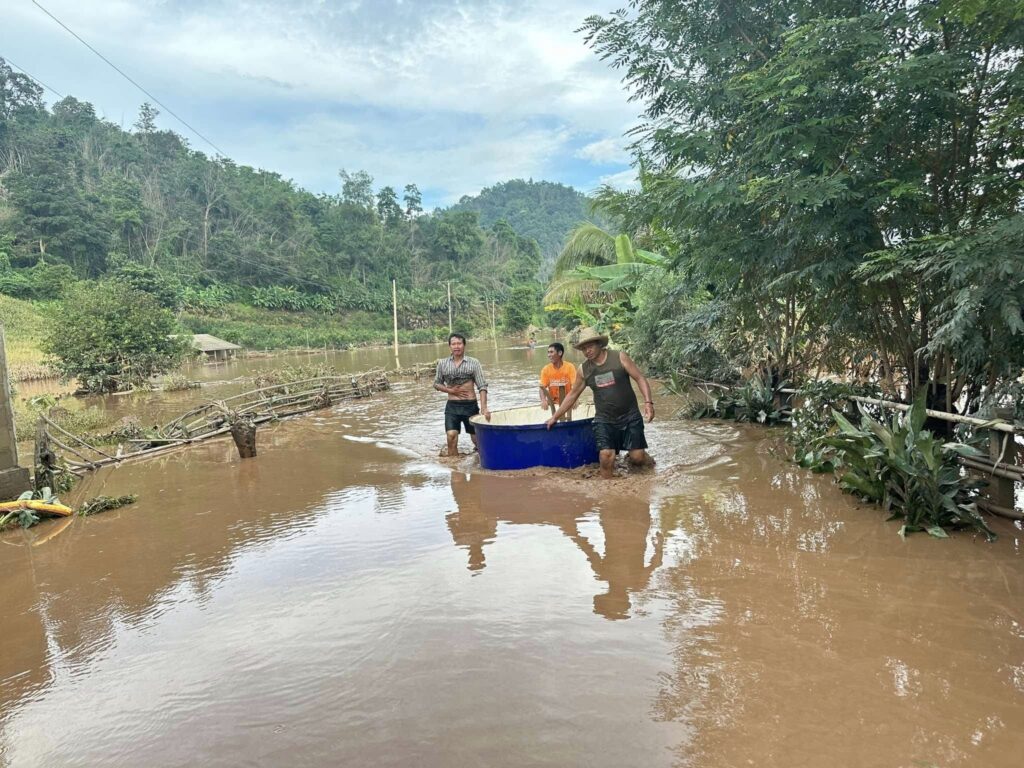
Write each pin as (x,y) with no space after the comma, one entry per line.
(258,265)
(169,111)
(32,77)
(263,266)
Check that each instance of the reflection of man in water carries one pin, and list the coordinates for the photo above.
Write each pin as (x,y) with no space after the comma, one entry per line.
(482,501)
(623,566)
(469,526)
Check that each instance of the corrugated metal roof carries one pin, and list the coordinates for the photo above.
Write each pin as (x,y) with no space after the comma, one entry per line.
(204,342)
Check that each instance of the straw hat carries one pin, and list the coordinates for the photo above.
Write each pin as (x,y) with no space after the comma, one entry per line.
(588,335)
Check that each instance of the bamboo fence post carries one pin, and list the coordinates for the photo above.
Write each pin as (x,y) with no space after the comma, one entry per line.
(1001,450)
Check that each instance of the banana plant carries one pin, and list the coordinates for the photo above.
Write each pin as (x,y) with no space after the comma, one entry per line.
(596,267)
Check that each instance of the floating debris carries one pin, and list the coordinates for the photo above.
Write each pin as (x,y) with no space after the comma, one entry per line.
(100,504)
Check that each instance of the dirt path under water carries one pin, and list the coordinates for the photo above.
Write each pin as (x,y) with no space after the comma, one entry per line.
(347,598)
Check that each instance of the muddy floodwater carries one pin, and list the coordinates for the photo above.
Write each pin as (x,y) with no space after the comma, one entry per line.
(349,599)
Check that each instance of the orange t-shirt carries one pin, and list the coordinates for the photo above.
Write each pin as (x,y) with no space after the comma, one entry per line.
(552,378)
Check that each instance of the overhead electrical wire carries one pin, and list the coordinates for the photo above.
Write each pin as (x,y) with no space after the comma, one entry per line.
(117,69)
(32,77)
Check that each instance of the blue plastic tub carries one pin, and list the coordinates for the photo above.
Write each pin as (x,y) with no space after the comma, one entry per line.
(517,439)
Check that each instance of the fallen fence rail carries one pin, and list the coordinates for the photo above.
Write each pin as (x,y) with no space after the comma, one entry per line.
(58,451)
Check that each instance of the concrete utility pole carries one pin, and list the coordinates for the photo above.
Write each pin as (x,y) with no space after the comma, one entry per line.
(14,479)
(449,306)
(394,312)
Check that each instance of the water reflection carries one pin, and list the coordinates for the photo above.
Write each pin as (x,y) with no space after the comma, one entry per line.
(623,566)
(620,528)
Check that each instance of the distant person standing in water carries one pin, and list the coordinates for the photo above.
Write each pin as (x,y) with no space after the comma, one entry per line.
(554,375)
(618,425)
(460,377)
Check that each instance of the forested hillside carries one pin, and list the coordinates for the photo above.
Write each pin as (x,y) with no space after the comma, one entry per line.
(542,210)
(81,198)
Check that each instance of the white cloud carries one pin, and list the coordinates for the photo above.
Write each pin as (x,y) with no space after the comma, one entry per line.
(447,93)
(623,180)
(605,151)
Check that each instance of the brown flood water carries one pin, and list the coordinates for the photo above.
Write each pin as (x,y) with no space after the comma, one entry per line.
(349,599)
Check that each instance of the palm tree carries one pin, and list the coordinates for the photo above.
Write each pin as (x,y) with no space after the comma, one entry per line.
(597,271)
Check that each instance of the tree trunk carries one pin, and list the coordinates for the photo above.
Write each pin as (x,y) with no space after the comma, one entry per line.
(45,460)
(244,433)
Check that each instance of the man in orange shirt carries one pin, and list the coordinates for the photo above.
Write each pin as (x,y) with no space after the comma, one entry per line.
(554,375)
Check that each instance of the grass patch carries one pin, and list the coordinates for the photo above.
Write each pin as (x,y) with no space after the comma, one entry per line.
(25,325)
(255,328)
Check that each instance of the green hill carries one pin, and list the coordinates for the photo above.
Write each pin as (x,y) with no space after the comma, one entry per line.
(542,210)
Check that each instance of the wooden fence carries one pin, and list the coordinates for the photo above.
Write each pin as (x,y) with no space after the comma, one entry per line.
(57,450)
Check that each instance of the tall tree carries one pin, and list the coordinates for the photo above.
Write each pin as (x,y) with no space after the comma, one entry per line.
(813,161)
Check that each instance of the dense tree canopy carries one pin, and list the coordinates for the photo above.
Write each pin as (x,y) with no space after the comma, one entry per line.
(841,180)
(80,193)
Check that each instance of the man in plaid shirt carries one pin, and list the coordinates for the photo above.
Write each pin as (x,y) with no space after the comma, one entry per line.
(460,377)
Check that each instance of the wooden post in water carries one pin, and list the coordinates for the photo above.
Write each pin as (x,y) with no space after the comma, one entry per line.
(243,431)
(45,459)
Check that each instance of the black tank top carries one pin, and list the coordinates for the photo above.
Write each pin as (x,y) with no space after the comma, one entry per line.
(614,397)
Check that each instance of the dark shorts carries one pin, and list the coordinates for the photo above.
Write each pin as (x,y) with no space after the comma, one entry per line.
(625,434)
(457,413)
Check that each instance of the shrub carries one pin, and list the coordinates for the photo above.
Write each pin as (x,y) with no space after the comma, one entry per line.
(755,400)
(111,337)
(812,419)
(164,288)
(907,470)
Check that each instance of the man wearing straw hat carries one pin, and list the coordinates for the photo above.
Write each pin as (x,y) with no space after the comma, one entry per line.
(618,425)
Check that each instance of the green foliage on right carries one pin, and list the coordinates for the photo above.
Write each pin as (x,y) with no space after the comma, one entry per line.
(841,182)
(905,468)
(112,337)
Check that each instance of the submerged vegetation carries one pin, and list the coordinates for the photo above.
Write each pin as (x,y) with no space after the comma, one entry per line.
(909,471)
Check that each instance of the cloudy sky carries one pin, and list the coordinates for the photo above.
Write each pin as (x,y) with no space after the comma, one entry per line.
(453,95)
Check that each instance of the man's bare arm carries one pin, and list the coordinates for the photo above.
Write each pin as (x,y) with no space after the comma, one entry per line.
(641,381)
(570,400)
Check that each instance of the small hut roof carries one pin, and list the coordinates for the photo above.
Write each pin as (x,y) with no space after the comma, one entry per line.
(204,342)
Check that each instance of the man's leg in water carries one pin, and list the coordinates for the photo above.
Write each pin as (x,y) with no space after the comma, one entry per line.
(607,457)
(639,458)
(453,442)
